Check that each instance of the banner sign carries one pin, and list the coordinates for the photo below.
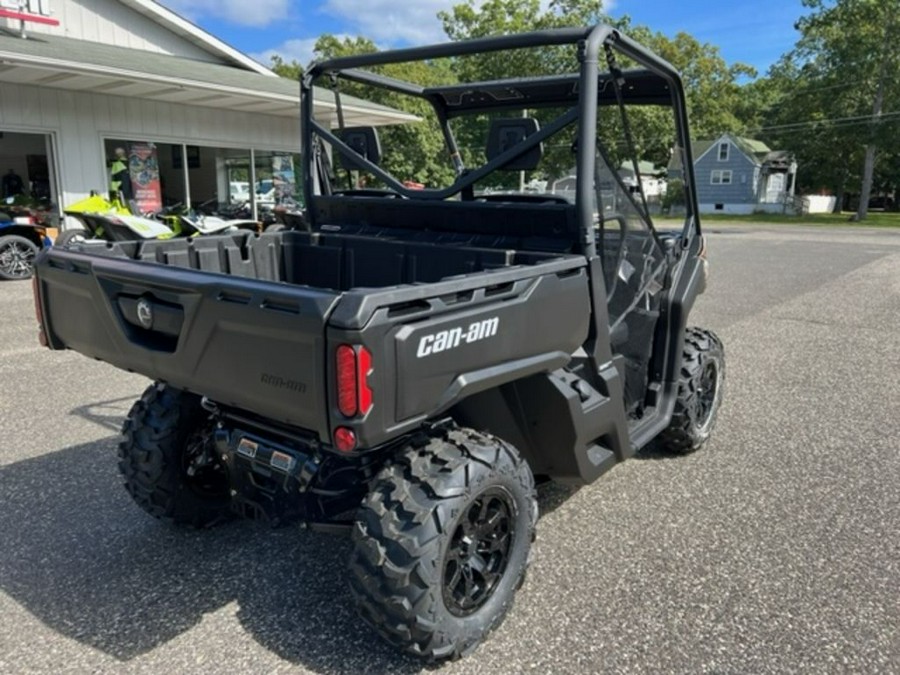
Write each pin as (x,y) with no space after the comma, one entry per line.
(143,166)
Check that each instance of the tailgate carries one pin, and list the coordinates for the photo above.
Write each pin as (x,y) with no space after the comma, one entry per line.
(242,342)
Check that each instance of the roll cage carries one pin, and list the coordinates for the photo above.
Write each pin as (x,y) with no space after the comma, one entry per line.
(653,82)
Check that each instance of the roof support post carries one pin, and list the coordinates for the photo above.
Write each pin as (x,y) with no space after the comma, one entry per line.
(187,180)
(254,213)
(588,54)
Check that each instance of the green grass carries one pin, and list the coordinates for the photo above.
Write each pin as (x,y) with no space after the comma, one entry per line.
(874,219)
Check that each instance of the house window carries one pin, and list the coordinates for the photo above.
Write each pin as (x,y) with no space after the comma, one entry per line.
(723,151)
(721,177)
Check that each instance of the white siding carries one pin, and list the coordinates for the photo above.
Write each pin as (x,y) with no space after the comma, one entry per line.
(110,22)
(80,121)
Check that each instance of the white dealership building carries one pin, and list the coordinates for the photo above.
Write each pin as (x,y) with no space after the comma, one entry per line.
(81,78)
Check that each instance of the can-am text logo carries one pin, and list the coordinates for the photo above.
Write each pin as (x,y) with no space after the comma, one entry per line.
(454,337)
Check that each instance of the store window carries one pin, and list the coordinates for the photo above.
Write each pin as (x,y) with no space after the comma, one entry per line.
(145,175)
(276,179)
(26,171)
(210,179)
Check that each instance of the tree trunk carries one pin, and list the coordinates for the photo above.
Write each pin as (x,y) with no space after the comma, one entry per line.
(869,163)
(839,199)
(866,190)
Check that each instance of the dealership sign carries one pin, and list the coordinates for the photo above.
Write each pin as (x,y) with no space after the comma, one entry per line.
(35,11)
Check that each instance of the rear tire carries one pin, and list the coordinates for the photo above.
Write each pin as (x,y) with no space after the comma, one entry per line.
(170,466)
(441,543)
(701,385)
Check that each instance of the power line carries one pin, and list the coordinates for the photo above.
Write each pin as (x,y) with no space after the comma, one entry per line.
(840,122)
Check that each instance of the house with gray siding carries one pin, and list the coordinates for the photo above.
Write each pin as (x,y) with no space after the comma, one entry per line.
(739,175)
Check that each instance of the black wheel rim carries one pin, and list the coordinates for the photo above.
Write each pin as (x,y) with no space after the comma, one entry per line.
(16,260)
(478,552)
(707,393)
(204,473)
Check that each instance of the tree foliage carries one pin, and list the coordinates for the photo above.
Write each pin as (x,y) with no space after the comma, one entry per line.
(413,151)
(838,100)
(282,68)
(716,101)
(712,90)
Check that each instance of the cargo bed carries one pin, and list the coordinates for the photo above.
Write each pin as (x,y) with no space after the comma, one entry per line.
(260,303)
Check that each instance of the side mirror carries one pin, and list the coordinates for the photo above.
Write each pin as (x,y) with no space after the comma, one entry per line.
(363,141)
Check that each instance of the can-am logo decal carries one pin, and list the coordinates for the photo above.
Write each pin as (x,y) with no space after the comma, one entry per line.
(145,313)
(454,337)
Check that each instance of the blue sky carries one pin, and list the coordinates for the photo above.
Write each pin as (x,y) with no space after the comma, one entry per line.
(752,32)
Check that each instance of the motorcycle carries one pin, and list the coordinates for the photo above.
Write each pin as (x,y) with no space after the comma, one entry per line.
(111,220)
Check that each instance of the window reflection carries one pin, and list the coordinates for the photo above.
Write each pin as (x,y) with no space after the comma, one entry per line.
(208,179)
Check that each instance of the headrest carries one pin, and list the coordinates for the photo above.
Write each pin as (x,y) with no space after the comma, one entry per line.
(505,133)
(363,141)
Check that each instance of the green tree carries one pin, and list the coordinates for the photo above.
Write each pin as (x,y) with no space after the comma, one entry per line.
(413,151)
(291,71)
(853,43)
(805,112)
(713,93)
(712,89)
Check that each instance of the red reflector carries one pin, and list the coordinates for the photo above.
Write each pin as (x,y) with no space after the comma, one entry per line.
(362,380)
(344,439)
(348,401)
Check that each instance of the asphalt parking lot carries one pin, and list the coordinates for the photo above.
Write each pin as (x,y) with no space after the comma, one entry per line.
(775,549)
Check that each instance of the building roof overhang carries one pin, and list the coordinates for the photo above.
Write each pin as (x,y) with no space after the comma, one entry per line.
(193,33)
(77,65)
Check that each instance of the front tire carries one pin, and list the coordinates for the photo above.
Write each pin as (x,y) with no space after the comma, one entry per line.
(441,543)
(17,257)
(701,385)
(169,463)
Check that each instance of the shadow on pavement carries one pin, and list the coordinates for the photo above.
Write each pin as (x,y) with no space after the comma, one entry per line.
(82,558)
(652,452)
(87,562)
(107,414)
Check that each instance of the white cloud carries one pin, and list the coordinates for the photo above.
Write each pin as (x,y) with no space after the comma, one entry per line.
(299,50)
(391,22)
(290,50)
(257,13)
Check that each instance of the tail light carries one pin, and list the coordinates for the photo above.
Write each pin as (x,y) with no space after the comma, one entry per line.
(38,312)
(354,363)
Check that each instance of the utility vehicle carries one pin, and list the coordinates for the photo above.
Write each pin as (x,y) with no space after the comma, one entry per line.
(415,360)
